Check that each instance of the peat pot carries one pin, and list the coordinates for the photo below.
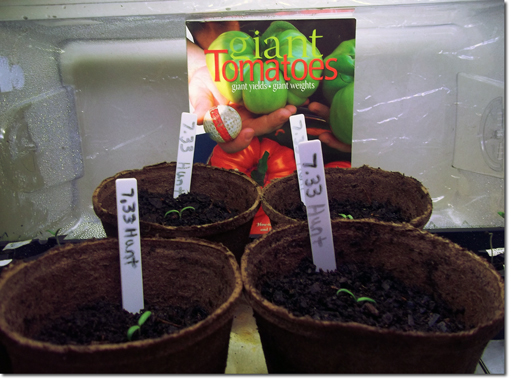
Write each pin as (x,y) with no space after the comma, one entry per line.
(363,183)
(237,190)
(303,345)
(175,272)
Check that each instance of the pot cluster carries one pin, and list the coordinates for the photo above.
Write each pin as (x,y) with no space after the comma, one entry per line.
(181,269)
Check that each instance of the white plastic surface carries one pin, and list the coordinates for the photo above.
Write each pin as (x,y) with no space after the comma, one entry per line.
(90,96)
(98,96)
(479,145)
(406,101)
(127,104)
(58,9)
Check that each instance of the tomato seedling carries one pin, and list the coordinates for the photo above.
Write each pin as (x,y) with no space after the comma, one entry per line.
(55,234)
(359,299)
(179,212)
(143,318)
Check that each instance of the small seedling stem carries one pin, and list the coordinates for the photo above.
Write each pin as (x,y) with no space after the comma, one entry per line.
(491,247)
(56,235)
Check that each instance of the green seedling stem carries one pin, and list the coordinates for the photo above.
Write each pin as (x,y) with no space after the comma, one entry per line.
(359,299)
(179,212)
(491,247)
(143,318)
(55,234)
(501,213)
(346,216)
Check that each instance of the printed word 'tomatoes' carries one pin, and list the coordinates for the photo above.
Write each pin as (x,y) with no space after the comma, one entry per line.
(273,71)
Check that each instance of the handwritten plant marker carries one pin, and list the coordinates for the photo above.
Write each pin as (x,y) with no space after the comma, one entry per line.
(13,245)
(185,156)
(129,239)
(317,207)
(298,129)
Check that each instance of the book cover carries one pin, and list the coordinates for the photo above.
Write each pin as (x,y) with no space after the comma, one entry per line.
(268,70)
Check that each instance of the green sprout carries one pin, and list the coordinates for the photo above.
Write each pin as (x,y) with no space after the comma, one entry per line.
(501,213)
(179,212)
(143,318)
(359,299)
(346,216)
(55,234)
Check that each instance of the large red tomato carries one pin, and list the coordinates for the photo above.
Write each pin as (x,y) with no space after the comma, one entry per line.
(280,159)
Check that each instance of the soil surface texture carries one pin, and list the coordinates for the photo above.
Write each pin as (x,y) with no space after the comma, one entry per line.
(190,209)
(385,212)
(34,248)
(31,251)
(306,292)
(103,322)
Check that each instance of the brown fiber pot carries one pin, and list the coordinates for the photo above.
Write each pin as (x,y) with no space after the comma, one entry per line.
(304,345)
(363,184)
(237,190)
(175,271)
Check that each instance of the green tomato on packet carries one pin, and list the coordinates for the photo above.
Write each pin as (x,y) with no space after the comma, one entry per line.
(340,91)
(227,55)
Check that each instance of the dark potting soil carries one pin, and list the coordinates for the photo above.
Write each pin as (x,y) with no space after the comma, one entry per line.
(305,292)
(34,248)
(385,212)
(153,208)
(31,251)
(103,322)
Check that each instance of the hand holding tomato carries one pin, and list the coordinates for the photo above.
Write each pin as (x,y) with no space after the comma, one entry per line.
(328,137)
(253,125)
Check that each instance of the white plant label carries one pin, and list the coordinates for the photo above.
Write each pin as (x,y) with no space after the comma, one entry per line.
(3,263)
(16,244)
(317,206)
(11,77)
(495,251)
(129,239)
(185,156)
(298,129)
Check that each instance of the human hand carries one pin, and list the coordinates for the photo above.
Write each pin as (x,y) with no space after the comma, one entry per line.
(327,137)
(204,95)
(256,125)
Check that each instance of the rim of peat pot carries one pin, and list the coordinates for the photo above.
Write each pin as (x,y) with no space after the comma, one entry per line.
(175,271)
(303,345)
(235,188)
(362,183)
